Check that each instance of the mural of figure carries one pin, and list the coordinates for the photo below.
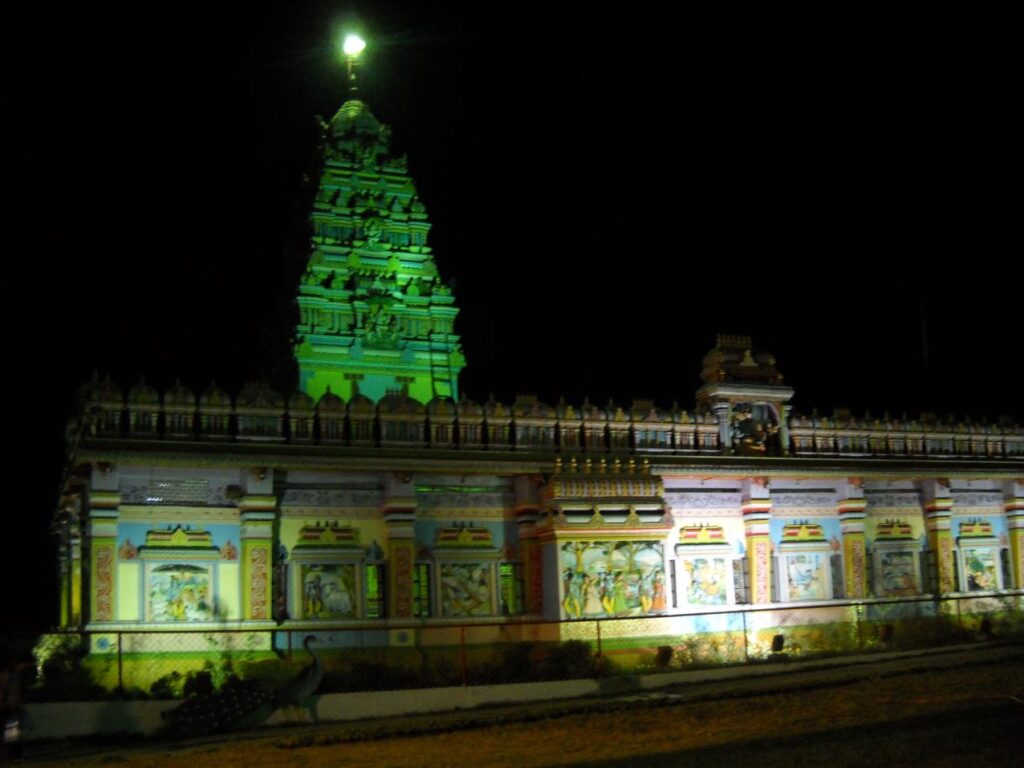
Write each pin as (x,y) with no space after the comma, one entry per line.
(981,570)
(610,578)
(753,427)
(574,606)
(620,605)
(658,601)
(337,599)
(569,603)
(179,593)
(592,605)
(607,593)
(314,596)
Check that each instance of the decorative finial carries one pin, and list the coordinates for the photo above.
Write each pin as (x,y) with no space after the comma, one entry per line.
(352,47)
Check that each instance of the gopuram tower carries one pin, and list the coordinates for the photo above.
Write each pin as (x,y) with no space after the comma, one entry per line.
(374,316)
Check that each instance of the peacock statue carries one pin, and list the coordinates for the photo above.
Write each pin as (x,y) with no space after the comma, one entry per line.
(303,685)
(242,700)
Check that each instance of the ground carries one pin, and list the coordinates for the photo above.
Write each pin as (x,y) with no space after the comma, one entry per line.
(962,711)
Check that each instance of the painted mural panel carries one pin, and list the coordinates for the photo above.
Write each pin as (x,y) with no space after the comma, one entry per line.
(705,580)
(807,574)
(898,576)
(605,578)
(466,589)
(180,592)
(980,569)
(329,591)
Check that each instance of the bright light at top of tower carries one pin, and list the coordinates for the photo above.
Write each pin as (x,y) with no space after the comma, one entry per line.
(353,45)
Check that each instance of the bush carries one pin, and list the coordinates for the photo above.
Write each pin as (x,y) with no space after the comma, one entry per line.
(198,684)
(61,674)
(167,687)
(567,661)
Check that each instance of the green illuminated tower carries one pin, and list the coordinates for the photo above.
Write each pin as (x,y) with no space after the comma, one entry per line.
(374,316)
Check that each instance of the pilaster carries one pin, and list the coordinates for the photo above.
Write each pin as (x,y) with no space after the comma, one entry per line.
(756,507)
(530,552)
(257,512)
(938,512)
(1013,495)
(399,512)
(852,509)
(101,528)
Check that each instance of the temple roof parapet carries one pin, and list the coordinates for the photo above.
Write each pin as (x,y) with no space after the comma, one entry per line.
(258,413)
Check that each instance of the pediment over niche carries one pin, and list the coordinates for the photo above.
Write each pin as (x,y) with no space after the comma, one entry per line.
(461,536)
(328,535)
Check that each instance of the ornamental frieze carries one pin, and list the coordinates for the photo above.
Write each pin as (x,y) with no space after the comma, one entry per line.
(711,513)
(321,497)
(891,500)
(464,514)
(464,500)
(703,500)
(784,499)
(978,499)
(829,511)
(177,493)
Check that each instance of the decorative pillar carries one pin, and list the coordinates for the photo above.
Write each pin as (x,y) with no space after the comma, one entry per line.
(70,555)
(257,511)
(530,552)
(102,546)
(723,413)
(784,412)
(938,513)
(399,512)
(852,509)
(104,500)
(756,506)
(1013,495)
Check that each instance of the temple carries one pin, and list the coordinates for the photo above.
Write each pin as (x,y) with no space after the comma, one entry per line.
(376,496)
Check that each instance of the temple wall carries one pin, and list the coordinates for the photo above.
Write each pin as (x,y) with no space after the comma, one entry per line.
(334,535)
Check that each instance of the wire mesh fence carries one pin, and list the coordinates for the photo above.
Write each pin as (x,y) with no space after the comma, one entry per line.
(181,661)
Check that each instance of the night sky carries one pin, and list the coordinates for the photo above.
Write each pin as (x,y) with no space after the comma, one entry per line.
(608,189)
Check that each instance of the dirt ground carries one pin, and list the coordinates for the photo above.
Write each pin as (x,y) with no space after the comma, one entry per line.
(946,717)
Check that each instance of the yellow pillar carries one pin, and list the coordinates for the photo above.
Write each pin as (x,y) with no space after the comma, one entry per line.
(257,538)
(757,507)
(1015,525)
(76,584)
(938,518)
(851,519)
(103,557)
(71,583)
(102,591)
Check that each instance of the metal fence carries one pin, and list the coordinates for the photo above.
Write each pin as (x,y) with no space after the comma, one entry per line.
(180,661)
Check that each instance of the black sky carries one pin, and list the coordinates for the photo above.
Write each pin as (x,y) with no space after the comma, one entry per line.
(609,189)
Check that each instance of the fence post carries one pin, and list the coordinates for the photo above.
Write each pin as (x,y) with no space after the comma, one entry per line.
(860,630)
(462,655)
(600,652)
(120,662)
